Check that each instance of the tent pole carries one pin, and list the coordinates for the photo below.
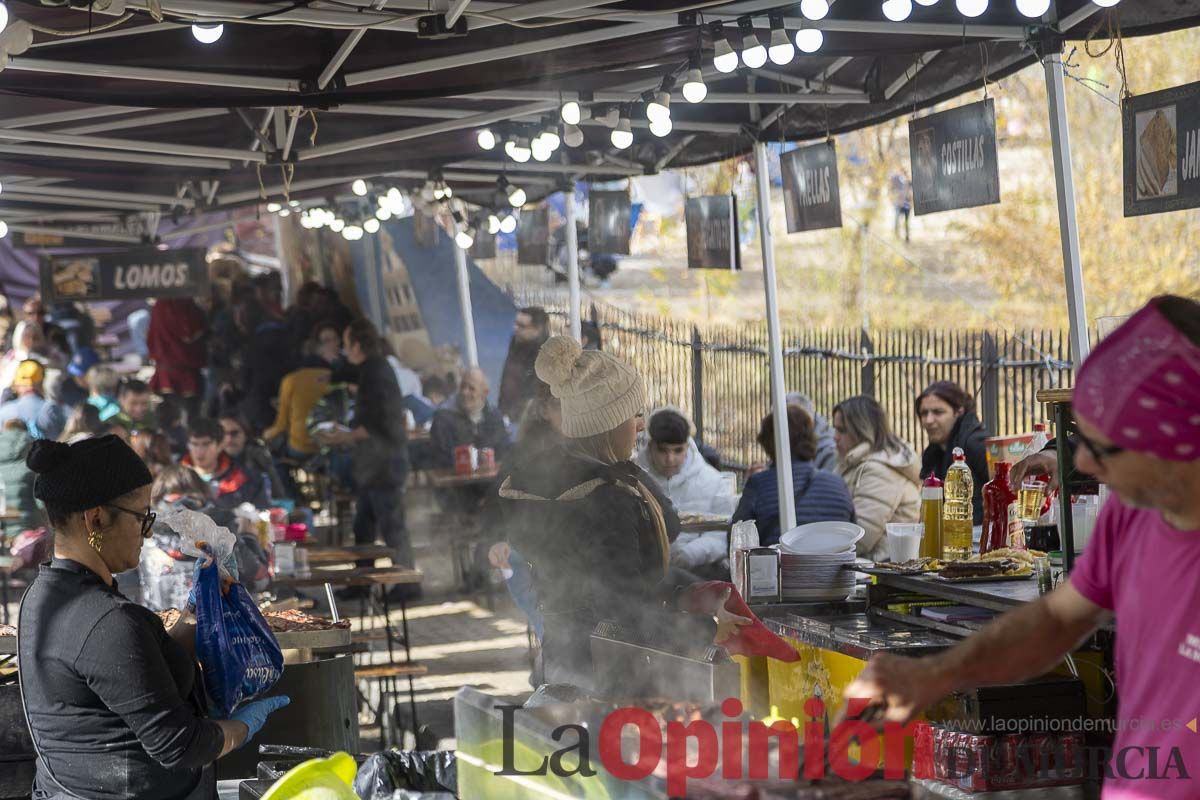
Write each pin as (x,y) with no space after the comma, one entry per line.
(783,449)
(573,263)
(464,305)
(1068,224)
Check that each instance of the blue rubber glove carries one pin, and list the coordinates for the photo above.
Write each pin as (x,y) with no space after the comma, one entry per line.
(254,714)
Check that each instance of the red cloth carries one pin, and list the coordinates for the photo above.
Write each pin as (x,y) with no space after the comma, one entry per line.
(176,343)
(754,639)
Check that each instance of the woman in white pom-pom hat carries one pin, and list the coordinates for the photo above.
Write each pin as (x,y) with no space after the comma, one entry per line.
(595,528)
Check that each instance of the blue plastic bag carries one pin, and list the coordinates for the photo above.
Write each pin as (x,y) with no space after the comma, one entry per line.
(240,656)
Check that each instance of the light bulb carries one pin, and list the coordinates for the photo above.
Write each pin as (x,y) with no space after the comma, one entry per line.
(338,225)
(814,9)
(207,34)
(294,203)
(516,197)
(781,51)
(1106,3)
(1,184)
(3,25)
(570,112)
(897,10)
(486,139)
(508,224)
(285,212)
(694,90)
(383,214)
(551,138)
(622,135)
(371,225)
(572,135)
(394,195)
(273,208)
(352,233)
(661,127)
(971,8)
(3,224)
(1033,8)
(464,239)
(541,151)
(447,192)
(755,55)
(809,40)
(359,187)
(724,58)
(927,2)
(493,224)
(306,222)
(660,107)
(521,151)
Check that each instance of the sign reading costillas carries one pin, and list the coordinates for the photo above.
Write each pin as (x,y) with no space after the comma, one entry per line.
(533,236)
(712,239)
(1161,152)
(954,162)
(608,222)
(142,273)
(811,199)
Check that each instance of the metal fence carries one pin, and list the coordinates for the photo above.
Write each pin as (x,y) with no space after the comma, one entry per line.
(719,375)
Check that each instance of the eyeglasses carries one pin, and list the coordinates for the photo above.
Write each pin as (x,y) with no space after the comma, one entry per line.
(146,519)
(1098,451)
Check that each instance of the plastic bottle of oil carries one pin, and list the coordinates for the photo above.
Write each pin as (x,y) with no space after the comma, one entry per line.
(956,511)
(932,496)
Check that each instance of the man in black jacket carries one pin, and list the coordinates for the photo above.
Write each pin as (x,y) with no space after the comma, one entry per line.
(377,440)
(518,382)
(469,422)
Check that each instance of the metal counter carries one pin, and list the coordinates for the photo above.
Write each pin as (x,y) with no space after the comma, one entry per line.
(995,596)
(859,635)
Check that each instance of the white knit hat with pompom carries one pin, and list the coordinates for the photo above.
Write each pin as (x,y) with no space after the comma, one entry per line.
(598,392)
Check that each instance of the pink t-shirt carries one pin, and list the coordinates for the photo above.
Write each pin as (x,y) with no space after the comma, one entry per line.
(1148,573)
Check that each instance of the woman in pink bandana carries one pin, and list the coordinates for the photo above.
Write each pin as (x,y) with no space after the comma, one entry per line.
(1137,404)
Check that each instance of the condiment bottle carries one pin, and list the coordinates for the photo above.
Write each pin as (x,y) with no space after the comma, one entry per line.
(999,510)
(956,511)
(931,514)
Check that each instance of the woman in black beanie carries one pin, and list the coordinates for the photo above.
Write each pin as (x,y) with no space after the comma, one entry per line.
(115,705)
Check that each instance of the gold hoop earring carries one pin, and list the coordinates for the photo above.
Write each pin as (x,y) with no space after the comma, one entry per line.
(96,540)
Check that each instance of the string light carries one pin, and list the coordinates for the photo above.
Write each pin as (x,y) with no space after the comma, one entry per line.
(508,224)
(1106,3)
(809,40)
(518,150)
(754,55)
(572,135)
(725,59)
(781,51)
(551,138)
(927,2)
(816,9)
(273,208)
(661,127)
(694,89)
(205,34)
(371,225)
(897,10)
(540,149)
(383,213)
(3,25)
(1033,8)
(359,187)
(570,112)
(352,233)
(622,135)
(516,196)
(493,224)
(465,238)
(337,225)
(971,8)
(486,139)
(3,229)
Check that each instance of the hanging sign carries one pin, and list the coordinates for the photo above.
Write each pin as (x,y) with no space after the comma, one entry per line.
(84,235)
(608,222)
(425,229)
(1161,150)
(712,239)
(954,161)
(811,199)
(533,236)
(484,245)
(142,273)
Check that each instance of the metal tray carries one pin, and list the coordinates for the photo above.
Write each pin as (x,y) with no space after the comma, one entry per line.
(983,578)
(298,640)
(881,572)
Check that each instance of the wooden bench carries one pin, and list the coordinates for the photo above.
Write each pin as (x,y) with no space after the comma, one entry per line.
(370,672)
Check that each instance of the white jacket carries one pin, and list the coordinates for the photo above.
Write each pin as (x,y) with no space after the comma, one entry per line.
(695,489)
(885,487)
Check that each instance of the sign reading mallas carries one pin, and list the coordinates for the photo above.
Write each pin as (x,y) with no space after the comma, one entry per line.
(533,236)
(1161,153)
(811,199)
(142,273)
(954,161)
(608,222)
(712,239)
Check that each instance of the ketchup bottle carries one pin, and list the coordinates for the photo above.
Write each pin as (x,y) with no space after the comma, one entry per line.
(997,497)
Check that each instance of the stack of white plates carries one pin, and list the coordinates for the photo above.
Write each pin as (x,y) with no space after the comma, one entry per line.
(816,576)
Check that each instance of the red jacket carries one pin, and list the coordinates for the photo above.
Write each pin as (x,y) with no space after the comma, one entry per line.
(233,485)
(176,343)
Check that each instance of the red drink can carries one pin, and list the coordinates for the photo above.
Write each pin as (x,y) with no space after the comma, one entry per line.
(487,459)
(462,460)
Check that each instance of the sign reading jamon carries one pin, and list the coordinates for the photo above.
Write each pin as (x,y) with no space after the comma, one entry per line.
(130,274)
(1161,138)
(954,159)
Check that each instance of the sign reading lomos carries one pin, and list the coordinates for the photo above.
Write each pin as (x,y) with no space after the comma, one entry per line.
(712,240)
(811,199)
(142,273)
(1161,159)
(954,161)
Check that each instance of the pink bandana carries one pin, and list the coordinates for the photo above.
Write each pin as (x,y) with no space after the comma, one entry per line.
(1141,388)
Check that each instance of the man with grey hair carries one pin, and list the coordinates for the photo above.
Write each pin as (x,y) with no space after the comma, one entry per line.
(469,420)
(826,448)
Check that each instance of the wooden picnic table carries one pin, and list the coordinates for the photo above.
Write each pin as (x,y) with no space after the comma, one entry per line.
(449,479)
(346,554)
(418,436)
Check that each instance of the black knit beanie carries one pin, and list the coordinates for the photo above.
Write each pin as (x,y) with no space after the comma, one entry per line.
(87,474)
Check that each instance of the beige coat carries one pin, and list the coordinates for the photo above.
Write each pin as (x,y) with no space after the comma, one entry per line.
(885,487)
